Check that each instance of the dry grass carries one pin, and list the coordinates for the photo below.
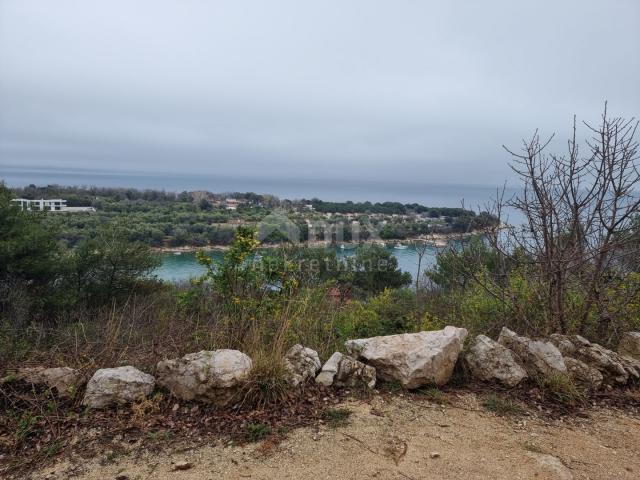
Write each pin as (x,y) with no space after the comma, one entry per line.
(149,328)
(561,389)
(502,406)
(266,383)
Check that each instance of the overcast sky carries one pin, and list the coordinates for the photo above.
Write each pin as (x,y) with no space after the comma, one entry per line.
(376,89)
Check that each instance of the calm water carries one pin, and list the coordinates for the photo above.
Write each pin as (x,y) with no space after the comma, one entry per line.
(183,267)
(336,189)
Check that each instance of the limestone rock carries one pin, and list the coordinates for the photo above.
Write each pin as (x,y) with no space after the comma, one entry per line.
(583,374)
(355,374)
(539,357)
(551,467)
(615,368)
(120,385)
(182,465)
(344,371)
(329,370)
(630,345)
(413,359)
(206,376)
(302,364)
(489,361)
(63,380)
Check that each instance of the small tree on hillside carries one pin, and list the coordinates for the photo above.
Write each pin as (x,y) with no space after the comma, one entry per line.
(421,248)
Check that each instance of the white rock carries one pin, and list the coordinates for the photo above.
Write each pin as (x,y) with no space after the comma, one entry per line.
(552,467)
(354,374)
(182,465)
(413,359)
(302,364)
(118,386)
(329,370)
(206,376)
(344,371)
(538,357)
(630,345)
(63,380)
(615,368)
(583,374)
(491,362)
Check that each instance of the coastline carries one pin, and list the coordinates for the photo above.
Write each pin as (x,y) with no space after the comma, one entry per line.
(438,240)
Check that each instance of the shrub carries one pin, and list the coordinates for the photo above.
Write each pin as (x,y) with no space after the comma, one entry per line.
(391,311)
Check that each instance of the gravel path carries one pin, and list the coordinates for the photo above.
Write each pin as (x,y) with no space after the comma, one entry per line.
(399,438)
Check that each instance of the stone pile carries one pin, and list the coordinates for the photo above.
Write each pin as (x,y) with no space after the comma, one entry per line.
(514,358)
(411,359)
(345,371)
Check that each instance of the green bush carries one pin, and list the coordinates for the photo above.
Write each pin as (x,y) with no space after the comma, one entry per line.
(391,311)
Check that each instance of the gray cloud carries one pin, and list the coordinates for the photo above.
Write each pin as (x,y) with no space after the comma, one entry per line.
(375,89)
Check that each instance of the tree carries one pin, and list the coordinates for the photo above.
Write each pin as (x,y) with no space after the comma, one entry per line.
(309,266)
(28,254)
(235,277)
(421,248)
(461,264)
(571,266)
(580,210)
(373,269)
(108,266)
(205,205)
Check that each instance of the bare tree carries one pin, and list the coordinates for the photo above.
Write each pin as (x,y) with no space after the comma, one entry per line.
(580,212)
(421,248)
(576,244)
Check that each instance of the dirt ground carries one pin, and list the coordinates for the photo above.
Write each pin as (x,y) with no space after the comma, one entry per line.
(397,438)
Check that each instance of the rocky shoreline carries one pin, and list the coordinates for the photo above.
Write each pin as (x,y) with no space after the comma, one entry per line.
(438,240)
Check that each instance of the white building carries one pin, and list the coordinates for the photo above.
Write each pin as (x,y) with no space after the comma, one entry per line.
(53,205)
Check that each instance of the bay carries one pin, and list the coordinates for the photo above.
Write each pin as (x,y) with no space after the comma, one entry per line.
(179,268)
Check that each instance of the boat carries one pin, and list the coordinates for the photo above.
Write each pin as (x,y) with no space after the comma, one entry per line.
(342,246)
(400,246)
(177,253)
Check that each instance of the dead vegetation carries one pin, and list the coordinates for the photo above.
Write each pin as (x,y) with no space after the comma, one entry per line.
(38,428)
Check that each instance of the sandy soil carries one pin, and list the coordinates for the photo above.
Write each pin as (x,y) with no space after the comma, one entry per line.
(399,438)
